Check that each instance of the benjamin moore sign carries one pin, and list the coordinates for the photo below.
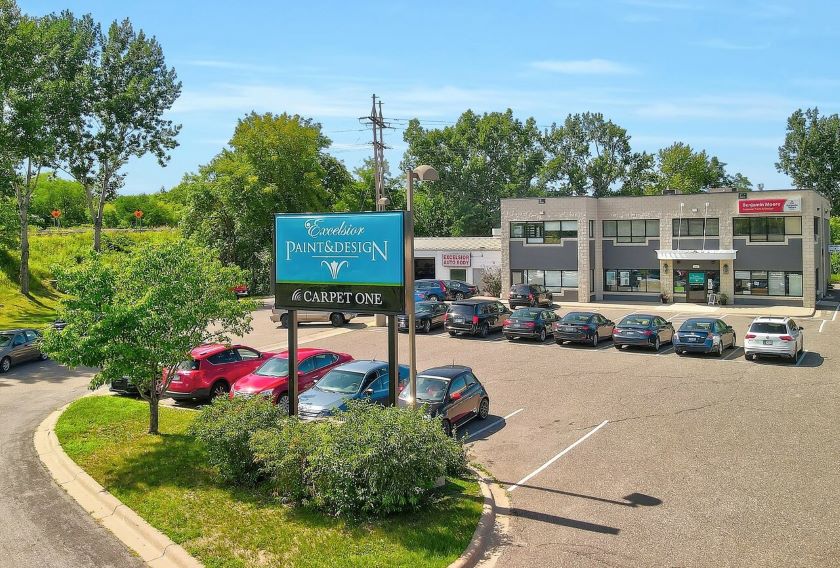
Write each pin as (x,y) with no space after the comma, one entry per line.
(340,261)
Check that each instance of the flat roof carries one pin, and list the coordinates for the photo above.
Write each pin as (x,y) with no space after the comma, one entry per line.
(751,193)
(458,243)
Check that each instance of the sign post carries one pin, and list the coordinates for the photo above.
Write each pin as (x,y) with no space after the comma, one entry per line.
(339,262)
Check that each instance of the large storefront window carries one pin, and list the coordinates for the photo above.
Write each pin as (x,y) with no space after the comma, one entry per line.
(767,229)
(632,280)
(554,280)
(768,283)
(550,232)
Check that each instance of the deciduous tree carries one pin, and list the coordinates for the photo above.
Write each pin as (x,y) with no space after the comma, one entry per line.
(140,319)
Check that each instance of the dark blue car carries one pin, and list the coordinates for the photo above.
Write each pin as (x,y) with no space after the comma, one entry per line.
(643,330)
(355,380)
(704,335)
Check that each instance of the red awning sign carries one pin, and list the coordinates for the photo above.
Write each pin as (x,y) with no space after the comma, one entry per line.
(769,205)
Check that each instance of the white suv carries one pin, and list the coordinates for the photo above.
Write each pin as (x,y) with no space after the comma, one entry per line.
(779,336)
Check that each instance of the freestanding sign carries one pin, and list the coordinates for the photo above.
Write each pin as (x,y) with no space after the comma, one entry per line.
(340,261)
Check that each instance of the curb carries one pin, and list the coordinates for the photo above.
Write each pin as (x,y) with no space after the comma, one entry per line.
(494,521)
(151,545)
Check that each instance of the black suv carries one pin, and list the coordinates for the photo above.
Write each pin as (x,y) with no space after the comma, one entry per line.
(476,317)
(532,295)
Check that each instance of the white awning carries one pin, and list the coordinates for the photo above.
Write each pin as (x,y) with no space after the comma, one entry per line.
(696,254)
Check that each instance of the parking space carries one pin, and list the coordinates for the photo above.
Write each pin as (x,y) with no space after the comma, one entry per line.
(636,458)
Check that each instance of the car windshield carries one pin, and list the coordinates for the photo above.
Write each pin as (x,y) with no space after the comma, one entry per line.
(526,313)
(769,327)
(430,389)
(6,339)
(462,309)
(576,317)
(696,325)
(422,308)
(339,380)
(188,365)
(635,321)
(274,367)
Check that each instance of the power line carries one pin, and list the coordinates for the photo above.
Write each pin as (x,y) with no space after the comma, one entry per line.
(378,123)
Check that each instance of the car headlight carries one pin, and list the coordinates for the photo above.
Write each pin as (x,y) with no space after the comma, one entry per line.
(676,336)
(715,340)
(267,392)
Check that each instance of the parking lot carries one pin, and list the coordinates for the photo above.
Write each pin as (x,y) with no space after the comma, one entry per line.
(636,458)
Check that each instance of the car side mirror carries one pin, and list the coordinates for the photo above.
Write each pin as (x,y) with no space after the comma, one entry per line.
(368,392)
(455,396)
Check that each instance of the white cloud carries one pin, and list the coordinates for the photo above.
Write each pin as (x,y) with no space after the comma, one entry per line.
(584,67)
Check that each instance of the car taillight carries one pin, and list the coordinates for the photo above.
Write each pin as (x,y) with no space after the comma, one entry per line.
(647,333)
(445,317)
(617,330)
(530,296)
(475,319)
(506,323)
(749,336)
(786,338)
(443,287)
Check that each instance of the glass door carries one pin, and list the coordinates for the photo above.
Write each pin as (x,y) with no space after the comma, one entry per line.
(696,286)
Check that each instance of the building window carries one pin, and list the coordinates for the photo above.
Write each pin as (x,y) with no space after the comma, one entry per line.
(766,229)
(632,280)
(694,227)
(635,231)
(592,228)
(458,274)
(768,283)
(554,280)
(551,232)
(591,280)
(816,227)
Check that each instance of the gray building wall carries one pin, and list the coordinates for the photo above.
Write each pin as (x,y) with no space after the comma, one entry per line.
(695,244)
(630,256)
(775,256)
(541,256)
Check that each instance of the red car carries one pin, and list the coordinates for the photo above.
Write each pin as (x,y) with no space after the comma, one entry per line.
(240,290)
(212,369)
(272,378)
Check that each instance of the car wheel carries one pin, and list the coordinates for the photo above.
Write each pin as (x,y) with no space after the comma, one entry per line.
(734,342)
(542,335)
(283,402)
(595,340)
(657,344)
(5,365)
(447,427)
(484,409)
(459,296)
(680,353)
(749,356)
(337,319)
(453,333)
(617,346)
(483,330)
(434,298)
(719,352)
(284,320)
(801,348)
(427,326)
(220,388)
(43,356)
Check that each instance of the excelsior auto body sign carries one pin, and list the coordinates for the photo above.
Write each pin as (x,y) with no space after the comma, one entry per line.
(770,205)
(340,261)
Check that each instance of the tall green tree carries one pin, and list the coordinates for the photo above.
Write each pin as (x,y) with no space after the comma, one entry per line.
(140,319)
(587,155)
(40,66)
(481,159)
(811,153)
(688,171)
(127,90)
(55,193)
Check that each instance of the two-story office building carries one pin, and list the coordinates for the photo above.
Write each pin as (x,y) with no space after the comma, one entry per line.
(767,247)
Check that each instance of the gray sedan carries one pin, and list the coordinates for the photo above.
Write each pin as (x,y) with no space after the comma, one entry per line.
(19,345)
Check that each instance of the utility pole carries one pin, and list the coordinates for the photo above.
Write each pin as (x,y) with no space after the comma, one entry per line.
(378,123)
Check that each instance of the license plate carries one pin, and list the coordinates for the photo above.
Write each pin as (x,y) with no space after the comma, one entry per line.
(570,328)
(458,320)
(693,339)
(767,342)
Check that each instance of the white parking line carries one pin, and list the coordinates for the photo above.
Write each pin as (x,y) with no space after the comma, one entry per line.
(834,317)
(801,358)
(732,355)
(675,316)
(822,325)
(557,457)
(496,422)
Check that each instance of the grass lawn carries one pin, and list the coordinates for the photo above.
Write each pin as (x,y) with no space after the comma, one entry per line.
(47,250)
(166,480)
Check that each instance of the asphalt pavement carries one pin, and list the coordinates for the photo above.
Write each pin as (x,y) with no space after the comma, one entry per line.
(40,525)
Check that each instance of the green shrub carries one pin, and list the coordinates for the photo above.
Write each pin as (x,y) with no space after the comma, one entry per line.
(374,460)
(282,456)
(226,427)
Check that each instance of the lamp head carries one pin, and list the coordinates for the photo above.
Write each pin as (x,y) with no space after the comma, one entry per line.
(425,173)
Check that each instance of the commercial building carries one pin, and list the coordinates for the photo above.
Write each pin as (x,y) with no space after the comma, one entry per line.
(766,247)
(456,258)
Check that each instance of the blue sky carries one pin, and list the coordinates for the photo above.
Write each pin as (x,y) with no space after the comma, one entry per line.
(721,76)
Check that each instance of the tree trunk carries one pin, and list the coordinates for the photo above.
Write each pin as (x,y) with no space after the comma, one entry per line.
(24,248)
(97,232)
(153,412)
(97,220)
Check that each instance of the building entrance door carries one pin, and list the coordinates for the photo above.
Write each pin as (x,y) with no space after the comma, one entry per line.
(696,286)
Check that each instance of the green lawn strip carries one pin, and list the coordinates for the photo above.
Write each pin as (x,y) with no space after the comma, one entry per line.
(166,480)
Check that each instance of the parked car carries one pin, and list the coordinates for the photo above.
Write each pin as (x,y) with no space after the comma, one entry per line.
(241,290)
(460,290)
(351,381)
(271,379)
(643,330)
(59,324)
(583,327)
(281,316)
(430,290)
(212,369)
(704,335)
(529,295)
(427,315)
(529,323)
(18,346)
(475,317)
(124,386)
(453,393)
(774,336)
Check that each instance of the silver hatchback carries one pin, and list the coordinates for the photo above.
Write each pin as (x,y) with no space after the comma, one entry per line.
(19,345)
